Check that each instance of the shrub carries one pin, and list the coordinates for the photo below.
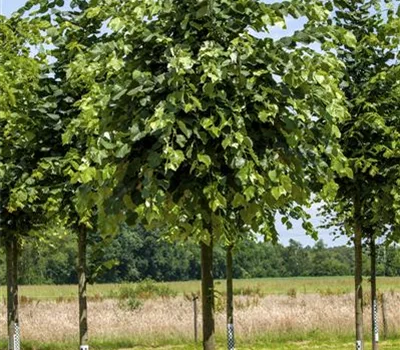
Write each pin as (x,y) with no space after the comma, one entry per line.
(146,289)
(131,303)
(292,293)
(131,296)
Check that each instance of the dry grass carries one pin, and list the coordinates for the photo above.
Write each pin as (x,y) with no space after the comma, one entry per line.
(168,318)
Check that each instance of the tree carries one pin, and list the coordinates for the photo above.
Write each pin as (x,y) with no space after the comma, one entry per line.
(297,259)
(69,33)
(186,107)
(24,126)
(370,137)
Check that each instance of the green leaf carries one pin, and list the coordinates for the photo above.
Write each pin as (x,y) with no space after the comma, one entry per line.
(350,39)
(88,175)
(278,191)
(286,183)
(116,24)
(348,172)
(107,145)
(182,126)
(174,159)
(208,89)
(336,131)
(319,77)
(181,140)
(123,151)
(205,159)
(119,94)
(272,174)
(329,190)
(249,192)
(202,11)
(93,12)
(238,200)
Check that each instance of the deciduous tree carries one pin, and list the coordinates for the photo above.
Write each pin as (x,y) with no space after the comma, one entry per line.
(370,138)
(188,114)
(24,128)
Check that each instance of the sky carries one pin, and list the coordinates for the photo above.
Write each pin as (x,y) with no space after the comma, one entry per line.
(296,233)
(9,6)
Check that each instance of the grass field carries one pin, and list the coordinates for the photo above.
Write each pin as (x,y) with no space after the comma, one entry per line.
(294,313)
(329,344)
(267,286)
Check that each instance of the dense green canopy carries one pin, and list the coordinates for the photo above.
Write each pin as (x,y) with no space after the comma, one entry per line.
(24,128)
(370,137)
(188,114)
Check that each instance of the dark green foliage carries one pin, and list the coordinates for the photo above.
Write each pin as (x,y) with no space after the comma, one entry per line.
(131,297)
(146,289)
(370,138)
(143,255)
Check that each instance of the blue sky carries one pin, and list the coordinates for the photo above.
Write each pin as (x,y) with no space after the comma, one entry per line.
(296,233)
(9,6)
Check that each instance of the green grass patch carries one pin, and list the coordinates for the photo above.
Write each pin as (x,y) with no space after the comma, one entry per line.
(261,286)
(258,344)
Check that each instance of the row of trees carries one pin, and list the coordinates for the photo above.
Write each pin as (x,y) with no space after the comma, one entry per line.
(137,254)
(180,115)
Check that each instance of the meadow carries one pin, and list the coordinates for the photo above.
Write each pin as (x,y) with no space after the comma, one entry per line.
(266,286)
(331,344)
(292,313)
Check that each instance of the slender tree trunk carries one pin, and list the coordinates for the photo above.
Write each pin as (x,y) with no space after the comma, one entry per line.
(229,298)
(83,322)
(12,293)
(374,300)
(207,296)
(358,276)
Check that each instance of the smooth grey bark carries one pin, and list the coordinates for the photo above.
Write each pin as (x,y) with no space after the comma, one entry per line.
(83,322)
(229,298)
(358,274)
(12,252)
(207,296)
(374,299)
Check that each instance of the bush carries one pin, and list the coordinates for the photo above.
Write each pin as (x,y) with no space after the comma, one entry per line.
(292,292)
(131,296)
(131,303)
(146,289)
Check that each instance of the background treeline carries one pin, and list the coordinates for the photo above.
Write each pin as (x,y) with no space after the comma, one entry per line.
(137,254)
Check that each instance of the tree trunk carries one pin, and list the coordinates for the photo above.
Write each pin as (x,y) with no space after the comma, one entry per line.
(358,275)
(83,323)
(229,298)
(12,294)
(207,296)
(374,300)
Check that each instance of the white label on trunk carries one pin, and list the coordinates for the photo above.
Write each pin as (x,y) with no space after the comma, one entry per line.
(84,347)
(231,336)
(17,340)
(358,345)
(375,315)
